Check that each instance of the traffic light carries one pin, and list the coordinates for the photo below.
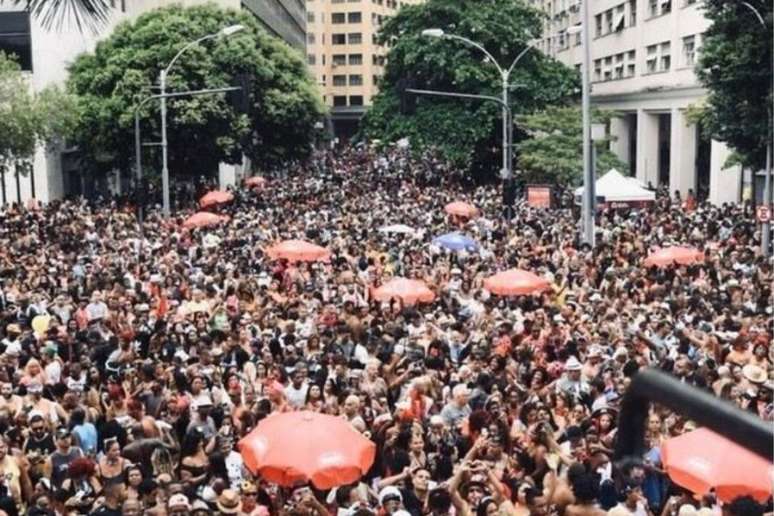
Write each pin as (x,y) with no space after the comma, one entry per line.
(408,102)
(239,99)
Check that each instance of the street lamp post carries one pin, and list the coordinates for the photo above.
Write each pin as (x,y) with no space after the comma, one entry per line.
(767,201)
(224,32)
(505,75)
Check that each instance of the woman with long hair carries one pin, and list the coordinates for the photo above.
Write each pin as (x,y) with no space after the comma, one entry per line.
(194,462)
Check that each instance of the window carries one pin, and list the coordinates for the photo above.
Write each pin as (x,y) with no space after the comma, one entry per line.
(310,17)
(339,100)
(338,18)
(339,59)
(651,64)
(310,39)
(598,19)
(375,79)
(690,2)
(355,80)
(355,59)
(337,1)
(354,17)
(339,80)
(355,100)
(632,13)
(689,50)
(597,69)
(339,39)
(620,17)
(311,59)
(609,21)
(666,6)
(15,37)
(666,60)
(652,8)
(323,58)
(355,38)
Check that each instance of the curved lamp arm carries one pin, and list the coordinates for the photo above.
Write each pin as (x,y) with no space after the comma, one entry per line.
(756,12)
(189,45)
(480,47)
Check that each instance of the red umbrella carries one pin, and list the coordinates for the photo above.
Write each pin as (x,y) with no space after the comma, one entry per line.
(295,448)
(255,182)
(461,209)
(215,197)
(203,219)
(671,255)
(410,291)
(702,460)
(298,251)
(516,282)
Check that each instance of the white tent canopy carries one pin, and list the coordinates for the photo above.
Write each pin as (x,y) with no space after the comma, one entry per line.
(618,188)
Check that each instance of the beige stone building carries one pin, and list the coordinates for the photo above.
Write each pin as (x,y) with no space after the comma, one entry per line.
(343,55)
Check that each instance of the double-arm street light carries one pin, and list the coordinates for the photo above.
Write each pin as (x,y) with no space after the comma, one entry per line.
(505,74)
(767,201)
(224,32)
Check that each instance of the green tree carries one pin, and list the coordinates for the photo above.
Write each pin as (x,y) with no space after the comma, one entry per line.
(735,66)
(28,119)
(554,151)
(468,132)
(204,130)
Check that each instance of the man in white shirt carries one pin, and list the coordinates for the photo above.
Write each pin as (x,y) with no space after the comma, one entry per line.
(296,391)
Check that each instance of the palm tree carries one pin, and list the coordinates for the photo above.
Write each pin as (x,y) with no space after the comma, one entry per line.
(89,15)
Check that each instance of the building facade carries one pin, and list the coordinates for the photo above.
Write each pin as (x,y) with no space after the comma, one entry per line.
(45,53)
(643,54)
(343,55)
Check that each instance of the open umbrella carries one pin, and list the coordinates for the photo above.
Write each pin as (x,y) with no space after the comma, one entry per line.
(298,251)
(215,197)
(702,460)
(456,242)
(461,209)
(669,256)
(295,448)
(397,228)
(410,291)
(203,219)
(255,182)
(515,282)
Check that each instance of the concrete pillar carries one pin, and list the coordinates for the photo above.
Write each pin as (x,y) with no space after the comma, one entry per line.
(647,147)
(620,129)
(682,156)
(724,182)
(227,175)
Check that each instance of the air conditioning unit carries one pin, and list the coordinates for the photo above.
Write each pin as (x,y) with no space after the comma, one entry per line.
(574,8)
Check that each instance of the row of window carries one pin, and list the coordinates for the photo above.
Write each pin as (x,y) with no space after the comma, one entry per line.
(344,59)
(339,18)
(351,80)
(616,19)
(353,38)
(341,100)
(658,58)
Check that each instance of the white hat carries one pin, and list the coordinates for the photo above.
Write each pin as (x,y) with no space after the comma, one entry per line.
(572,364)
(202,401)
(179,500)
(389,492)
(687,510)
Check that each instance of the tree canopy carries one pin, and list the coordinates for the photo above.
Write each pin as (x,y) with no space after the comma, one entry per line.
(468,132)
(203,131)
(554,151)
(29,119)
(735,66)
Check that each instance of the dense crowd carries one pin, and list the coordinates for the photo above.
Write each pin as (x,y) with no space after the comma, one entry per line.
(135,358)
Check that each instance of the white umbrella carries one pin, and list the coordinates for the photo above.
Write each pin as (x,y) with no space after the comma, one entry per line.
(397,228)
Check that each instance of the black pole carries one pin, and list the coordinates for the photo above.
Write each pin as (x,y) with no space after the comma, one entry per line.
(2,180)
(720,416)
(31,170)
(18,184)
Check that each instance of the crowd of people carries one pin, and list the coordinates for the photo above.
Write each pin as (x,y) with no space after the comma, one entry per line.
(134,358)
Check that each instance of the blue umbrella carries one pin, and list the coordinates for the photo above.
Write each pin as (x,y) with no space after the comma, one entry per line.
(456,242)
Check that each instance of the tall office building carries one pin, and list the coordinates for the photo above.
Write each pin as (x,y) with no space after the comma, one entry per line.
(45,53)
(643,55)
(343,54)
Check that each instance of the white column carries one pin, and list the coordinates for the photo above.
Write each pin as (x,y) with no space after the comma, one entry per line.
(682,156)
(724,182)
(619,129)
(226,175)
(647,147)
